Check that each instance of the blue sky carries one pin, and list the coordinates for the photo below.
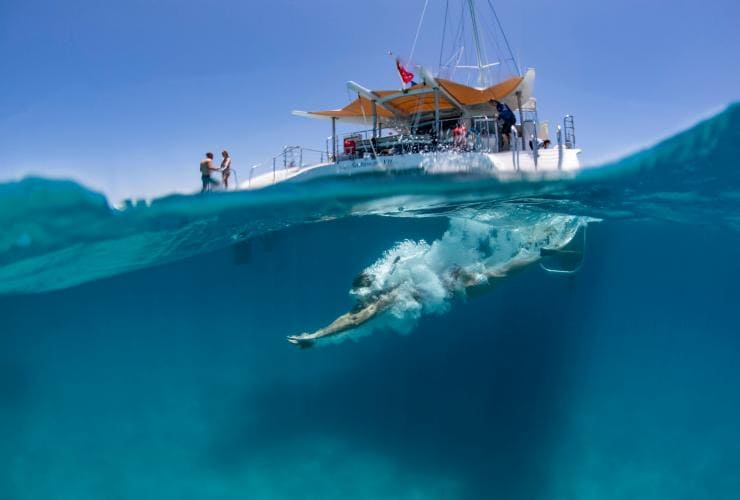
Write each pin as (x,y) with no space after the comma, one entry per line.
(126,97)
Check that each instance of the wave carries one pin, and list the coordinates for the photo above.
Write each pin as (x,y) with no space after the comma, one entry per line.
(58,234)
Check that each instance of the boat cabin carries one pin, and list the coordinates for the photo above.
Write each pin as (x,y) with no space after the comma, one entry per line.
(437,115)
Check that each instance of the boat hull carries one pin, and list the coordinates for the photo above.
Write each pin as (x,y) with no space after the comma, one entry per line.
(504,166)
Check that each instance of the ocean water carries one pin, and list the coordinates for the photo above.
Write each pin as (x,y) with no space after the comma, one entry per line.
(143,348)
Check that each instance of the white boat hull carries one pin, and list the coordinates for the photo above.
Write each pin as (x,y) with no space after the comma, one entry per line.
(504,166)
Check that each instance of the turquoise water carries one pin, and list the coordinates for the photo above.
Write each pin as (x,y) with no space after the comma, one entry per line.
(143,352)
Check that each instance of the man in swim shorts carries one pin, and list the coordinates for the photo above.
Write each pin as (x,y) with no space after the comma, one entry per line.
(206,167)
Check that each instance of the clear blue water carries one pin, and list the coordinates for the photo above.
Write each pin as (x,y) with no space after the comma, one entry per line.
(143,352)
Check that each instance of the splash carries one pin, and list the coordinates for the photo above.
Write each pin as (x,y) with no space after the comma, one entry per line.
(416,278)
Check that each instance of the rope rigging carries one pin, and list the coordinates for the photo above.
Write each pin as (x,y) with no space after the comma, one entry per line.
(506,40)
(485,34)
(444,33)
(418,30)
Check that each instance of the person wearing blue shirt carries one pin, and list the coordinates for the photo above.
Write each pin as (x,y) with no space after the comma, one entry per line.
(506,118)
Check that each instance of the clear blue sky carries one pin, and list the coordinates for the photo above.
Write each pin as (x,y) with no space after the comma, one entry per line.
(126,96)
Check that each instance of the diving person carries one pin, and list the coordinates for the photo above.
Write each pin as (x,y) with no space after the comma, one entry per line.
(455,280)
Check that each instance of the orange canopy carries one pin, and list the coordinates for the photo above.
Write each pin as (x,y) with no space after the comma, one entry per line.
(412,101)
(360,107)
(469,96)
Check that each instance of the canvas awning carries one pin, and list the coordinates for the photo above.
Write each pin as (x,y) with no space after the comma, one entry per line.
(420,99)
(469,96)
(358,108)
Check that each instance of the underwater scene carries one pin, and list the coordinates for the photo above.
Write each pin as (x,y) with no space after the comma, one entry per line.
(399,337)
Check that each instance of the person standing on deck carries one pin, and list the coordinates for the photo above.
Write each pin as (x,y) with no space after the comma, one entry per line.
(225,168)
(506,119)
(206,167)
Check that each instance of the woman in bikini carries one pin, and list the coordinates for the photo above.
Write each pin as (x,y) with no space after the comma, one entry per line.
(226,168)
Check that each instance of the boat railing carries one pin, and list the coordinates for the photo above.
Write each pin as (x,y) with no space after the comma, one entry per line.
(483,136)
(515,148)
(560,148)
(570,131)
(291,158)
(362,144)
(533,141)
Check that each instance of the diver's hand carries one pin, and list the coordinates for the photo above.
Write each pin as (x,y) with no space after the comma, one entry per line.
(301,341)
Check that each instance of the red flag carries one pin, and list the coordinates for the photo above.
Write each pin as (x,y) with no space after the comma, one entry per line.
(406,75)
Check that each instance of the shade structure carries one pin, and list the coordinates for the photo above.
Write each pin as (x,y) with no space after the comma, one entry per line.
(469,96)
(420,98)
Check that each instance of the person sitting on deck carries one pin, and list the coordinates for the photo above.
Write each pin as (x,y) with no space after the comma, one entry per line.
(206,167)
(541,144)
(506,119)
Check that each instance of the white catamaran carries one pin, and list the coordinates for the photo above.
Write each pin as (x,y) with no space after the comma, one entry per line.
(438,126)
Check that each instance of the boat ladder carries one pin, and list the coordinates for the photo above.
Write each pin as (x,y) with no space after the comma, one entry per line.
(570,131)
(568,259)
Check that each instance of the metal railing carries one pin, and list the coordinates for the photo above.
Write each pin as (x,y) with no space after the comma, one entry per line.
(560,148)
(570,131)
(485,136)
(292,157)
(515,147)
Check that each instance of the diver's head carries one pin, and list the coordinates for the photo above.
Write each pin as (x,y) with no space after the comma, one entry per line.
(209,155)
(363,280)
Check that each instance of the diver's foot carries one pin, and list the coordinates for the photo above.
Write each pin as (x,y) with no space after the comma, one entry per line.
(301,342)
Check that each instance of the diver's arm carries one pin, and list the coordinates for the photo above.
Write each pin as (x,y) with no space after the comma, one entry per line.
(345,322)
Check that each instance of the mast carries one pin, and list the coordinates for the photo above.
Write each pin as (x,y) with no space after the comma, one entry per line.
(474,21)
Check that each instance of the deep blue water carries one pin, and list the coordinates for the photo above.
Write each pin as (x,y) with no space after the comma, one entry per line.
(171,377)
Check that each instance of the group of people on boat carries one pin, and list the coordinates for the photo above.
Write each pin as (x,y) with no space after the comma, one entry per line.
(505,120)
(206,167)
